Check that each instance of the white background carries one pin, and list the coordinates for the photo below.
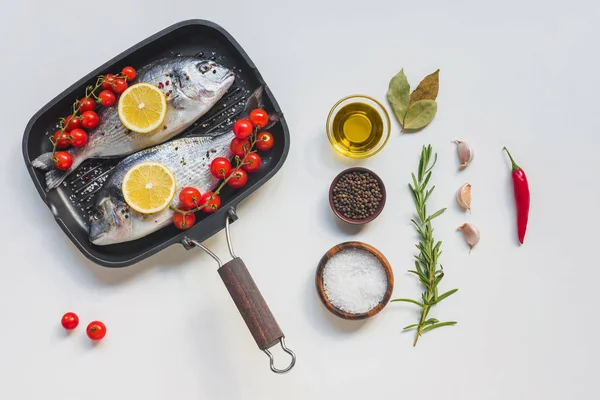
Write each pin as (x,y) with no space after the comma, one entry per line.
(518,73)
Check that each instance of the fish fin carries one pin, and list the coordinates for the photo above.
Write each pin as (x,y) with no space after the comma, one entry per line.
(43,162)
(273,119)
(55,178)
(254,101)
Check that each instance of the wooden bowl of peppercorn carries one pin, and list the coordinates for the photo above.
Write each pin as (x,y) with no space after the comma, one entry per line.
(357,195)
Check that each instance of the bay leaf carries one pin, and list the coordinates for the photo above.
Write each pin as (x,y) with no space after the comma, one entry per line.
(420,114)
(427,89)
(399,95)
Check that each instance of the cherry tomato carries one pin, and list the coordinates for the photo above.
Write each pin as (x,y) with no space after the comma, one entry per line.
(78,137)
(89,120)
(189,197)
(109,80)
(264,141)
(72,123)
(220,167)
(107,98)
(96,330)
(70,321)
(87,104)
(184,222)
(242,128)
(252,162)
(239,147)
(62,142)
(213,205)
(129,72)
(62,160)
(238,179)
(120,85)
(259,117)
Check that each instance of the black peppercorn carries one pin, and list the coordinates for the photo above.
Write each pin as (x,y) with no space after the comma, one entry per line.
(356,195)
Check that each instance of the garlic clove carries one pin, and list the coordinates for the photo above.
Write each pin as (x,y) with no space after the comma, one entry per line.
(463,196)
(471,233)
(465,153)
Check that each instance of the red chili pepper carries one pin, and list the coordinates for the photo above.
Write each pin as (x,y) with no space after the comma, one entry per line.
(521,188)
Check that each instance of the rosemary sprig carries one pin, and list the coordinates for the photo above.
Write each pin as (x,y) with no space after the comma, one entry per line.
(429,250)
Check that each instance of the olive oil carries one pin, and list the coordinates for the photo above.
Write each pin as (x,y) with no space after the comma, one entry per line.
(357,128)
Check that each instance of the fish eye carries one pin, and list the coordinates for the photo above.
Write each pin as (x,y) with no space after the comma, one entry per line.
(98,215)
(204,67)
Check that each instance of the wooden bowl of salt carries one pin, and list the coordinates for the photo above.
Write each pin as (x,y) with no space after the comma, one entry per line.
(354,280)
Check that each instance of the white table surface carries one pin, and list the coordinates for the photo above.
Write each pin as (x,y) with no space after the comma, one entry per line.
(518,73)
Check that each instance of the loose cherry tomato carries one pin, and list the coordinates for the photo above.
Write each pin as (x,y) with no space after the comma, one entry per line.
(87,104)
(252,162)
(78,137)
(120,86)
(109,81)
(70,321)
(259,117)
(129,72)
(220,167)
(72,123)
(239,147)
(184,222)
(242,128)
(107,98)
(264,141)
(62,142)
(238,179)
(213,205)
(62,160)
(96,330)
(189,197)
(89,120)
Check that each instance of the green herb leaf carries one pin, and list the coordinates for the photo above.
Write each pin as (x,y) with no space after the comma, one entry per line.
(398,95)
(448,293)
(436,214)
(408,301)
(427,89)
(420,114)
(435,326)
(406,328)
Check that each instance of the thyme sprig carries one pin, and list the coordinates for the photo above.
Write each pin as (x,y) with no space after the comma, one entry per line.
(429,250)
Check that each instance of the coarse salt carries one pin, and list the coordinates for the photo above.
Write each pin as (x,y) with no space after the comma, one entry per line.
(354,280)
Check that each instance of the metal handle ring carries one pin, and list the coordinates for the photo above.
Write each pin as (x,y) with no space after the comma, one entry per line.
(272,361)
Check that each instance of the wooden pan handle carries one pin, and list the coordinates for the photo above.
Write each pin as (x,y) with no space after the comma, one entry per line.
(250,303)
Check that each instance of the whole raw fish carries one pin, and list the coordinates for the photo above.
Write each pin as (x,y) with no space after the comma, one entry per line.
(193,86)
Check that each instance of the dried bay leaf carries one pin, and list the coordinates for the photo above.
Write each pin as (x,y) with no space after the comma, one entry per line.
(420,114)
(427,89)
(399,95)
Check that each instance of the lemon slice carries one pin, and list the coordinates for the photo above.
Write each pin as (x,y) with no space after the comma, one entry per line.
(142,107)
(149,187)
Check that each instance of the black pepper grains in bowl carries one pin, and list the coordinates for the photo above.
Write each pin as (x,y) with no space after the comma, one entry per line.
(357,195)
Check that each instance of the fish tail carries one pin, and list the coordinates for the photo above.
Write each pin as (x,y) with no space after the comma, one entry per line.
(254,101)
(55,177)
(43,162)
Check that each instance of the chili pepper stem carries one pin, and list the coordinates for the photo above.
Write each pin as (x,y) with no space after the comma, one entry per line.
(514,164)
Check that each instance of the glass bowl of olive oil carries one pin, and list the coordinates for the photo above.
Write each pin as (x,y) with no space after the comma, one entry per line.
(358,126)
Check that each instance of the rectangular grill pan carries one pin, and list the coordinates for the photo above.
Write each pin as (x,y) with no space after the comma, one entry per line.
(71,203)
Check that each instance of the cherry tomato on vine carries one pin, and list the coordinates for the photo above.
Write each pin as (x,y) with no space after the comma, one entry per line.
(89,120)
(129,72)
(61,140)
(264,141)
(252,162)
(190,197)
(242,128)
(96,330)
(120,86)
(72,123)
(259,117)
(69,321)
(87,104)
(238,179)
(239,147)
(213,205)
(220,167)
(107,98)
(184,222)
(109,80)
(62,160)
(78,137)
